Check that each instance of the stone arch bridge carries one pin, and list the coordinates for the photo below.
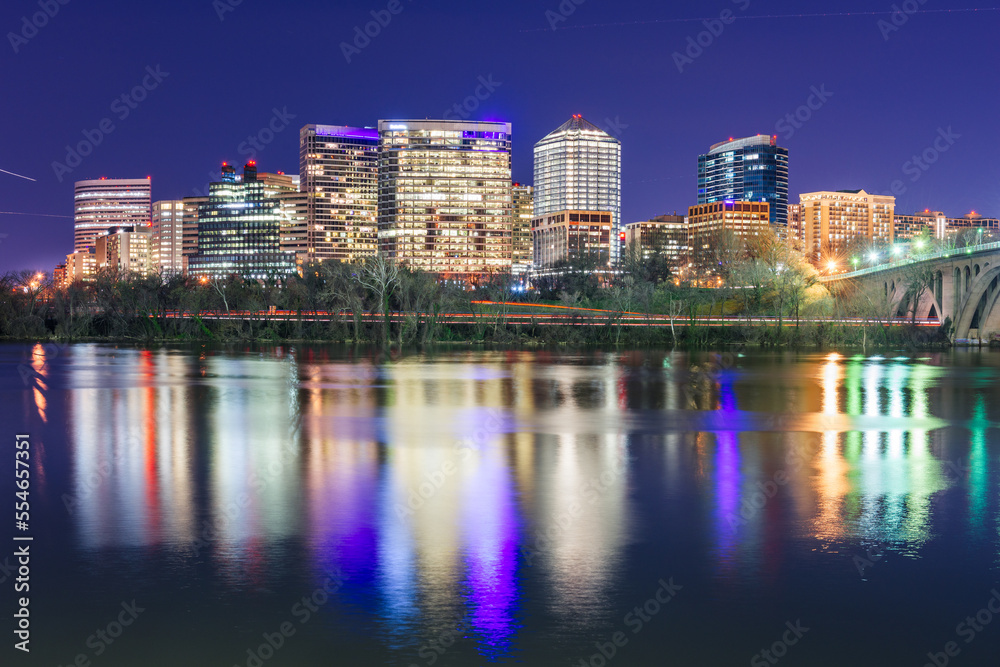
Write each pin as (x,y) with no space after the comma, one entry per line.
(964,285)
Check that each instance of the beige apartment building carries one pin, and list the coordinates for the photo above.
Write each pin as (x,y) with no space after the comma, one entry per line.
(831,220)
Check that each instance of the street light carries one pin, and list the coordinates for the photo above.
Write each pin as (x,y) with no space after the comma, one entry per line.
(831,266)
(873,257)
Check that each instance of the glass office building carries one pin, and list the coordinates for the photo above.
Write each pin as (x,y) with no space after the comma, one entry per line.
(444,191)
(338,167)
(578,168)
(239,229)
(752,169)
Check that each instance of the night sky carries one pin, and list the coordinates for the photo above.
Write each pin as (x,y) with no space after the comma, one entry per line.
(889,92)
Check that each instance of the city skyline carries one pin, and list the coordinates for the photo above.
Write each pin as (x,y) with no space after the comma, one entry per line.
(521,71)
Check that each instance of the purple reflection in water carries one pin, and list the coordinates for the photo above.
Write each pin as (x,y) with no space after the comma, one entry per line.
(727,493)
(491,527)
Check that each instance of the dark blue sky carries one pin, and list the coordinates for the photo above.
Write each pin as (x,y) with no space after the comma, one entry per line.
(610,61)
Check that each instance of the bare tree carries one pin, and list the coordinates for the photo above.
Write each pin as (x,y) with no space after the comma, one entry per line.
(380,276)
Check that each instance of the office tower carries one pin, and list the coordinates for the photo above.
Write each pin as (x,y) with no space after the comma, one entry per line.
(565,236)
(338,166)
(578,168)
(523,211)
(445,196)
(167,244)
(125,250)
(108,202)
(190,242)
(664,235)
(81,266)
(59,276)
(746,220)
(748,169)
(239,229)
(832,220)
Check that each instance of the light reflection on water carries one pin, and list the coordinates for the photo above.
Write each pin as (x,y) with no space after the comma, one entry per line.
(441,486)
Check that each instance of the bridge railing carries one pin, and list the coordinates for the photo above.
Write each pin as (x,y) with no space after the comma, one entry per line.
(940,254)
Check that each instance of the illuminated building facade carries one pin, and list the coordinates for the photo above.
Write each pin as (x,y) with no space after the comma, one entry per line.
(444,201)
(523,212)
(81,266)
(190,242)
(338,166)
(746,220)
(831,220)
(751,169)
(795,234)
(125,250)
(665,235)
(578,168)
(167,249)
(108,202)
(239,228)
(569,235)
(938,225)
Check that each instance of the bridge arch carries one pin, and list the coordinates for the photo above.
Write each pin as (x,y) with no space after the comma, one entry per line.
(979,310)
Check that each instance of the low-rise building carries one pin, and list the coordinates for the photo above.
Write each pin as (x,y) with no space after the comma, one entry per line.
(570,235)
(706,222)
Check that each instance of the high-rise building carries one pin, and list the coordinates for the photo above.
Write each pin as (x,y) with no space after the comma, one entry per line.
(108,202)
(444,201)
(570,235)
(523,211)
(578,168)
(795,234)
(832,220)
(239,228)
(746,220)
(125,250)
(190,243)
(749,169)
(338,167)
(665,235)
(167,244)
(81,266)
